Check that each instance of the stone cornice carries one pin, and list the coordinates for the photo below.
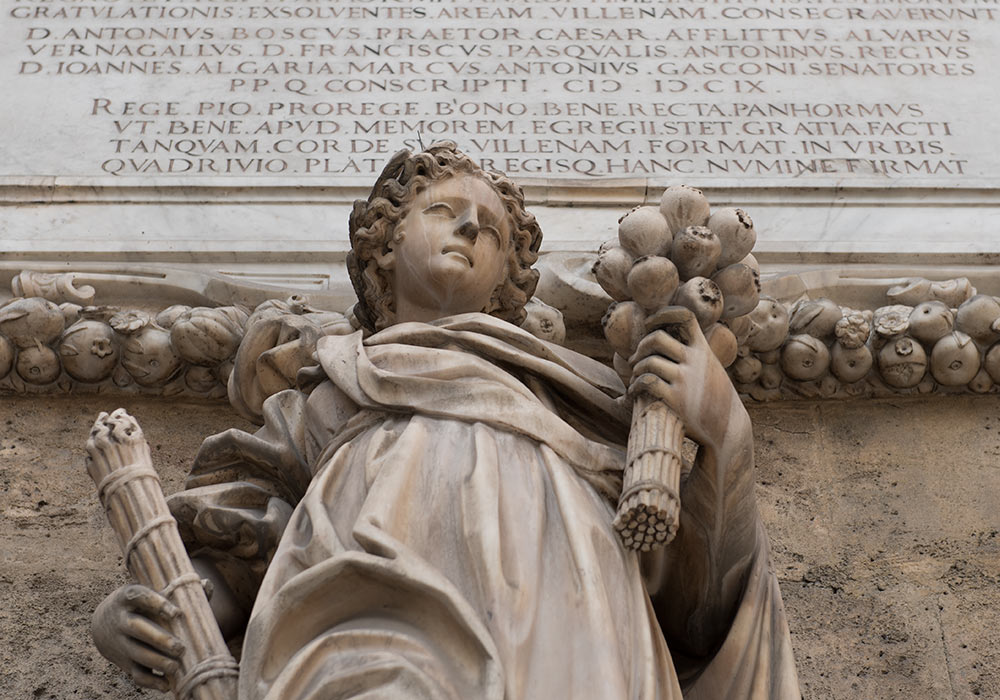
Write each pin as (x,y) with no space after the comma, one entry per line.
(607,191)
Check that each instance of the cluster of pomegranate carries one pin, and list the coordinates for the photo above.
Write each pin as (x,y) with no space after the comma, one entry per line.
(42,343)
(820,348)
(680,254)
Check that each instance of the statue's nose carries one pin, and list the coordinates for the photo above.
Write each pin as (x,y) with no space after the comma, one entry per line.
(468,227)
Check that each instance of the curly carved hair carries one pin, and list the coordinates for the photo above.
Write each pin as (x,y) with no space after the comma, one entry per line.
(374,221)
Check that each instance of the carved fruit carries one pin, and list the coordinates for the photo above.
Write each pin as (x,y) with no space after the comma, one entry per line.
(902,363)
(38,364)
(955,359)
(70,312)
(770,377)
(30,321)
(222,371)
(6,356)
(542,321)
(611,270)
(804,358)
(952,292)
(695,252)
(751,262)
(652,282)
(771,357)
(979,317)
(746,369)
(912,291)
(982,382)
(723,343)
(740,326)
(703,298)
(149,357)
(991,362)
(624,326)
(931,321)
(828,386)
(166,318)
(734,227)
(273,308)
(643,231)
(89,351)
(768,325)
(683,206)
(205,336)
(200,379)
(917,289)
(850,364)
(740,287)
(815,317)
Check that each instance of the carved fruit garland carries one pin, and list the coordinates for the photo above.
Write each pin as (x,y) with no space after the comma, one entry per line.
(668,263)
(818,349)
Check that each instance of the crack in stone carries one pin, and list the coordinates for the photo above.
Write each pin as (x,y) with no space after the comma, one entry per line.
(947,656)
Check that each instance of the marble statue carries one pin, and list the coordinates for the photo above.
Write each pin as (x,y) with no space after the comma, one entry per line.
(427,512)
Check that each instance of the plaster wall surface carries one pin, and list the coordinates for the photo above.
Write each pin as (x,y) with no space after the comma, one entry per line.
(884,528)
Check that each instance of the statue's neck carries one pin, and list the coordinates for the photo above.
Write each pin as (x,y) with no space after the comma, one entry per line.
(407,310)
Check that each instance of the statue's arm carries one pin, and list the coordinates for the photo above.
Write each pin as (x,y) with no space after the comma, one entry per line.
(696,582)
(243,488)
(704,570)
(231,516)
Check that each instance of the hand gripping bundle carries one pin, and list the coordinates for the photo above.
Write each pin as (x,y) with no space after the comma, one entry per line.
(120,464)
(670,262)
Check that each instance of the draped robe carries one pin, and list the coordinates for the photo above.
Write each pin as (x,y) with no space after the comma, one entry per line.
(434,521)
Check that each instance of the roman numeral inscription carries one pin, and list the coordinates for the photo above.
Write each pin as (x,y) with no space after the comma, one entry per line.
(821,93)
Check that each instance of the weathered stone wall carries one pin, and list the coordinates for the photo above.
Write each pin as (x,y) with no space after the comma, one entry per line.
(884,528)
(882,516)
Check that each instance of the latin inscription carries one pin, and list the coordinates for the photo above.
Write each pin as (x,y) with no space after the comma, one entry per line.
(818,91)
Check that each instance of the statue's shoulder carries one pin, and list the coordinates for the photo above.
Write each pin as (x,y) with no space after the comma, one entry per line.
(278,352)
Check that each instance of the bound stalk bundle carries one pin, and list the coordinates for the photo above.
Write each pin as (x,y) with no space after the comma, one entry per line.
(119,462)
(668,263)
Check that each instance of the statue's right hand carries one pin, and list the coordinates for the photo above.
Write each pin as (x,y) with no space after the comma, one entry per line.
(130,628)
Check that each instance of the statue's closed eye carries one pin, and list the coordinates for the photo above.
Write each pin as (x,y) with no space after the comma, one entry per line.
(440,209)
(492,231)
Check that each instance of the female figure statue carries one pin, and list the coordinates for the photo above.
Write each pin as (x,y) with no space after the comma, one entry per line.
(433,519)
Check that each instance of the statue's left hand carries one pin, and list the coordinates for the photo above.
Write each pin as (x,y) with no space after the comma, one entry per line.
(130,629)
(682,371)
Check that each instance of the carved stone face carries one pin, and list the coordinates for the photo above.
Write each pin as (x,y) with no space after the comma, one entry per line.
(450,251)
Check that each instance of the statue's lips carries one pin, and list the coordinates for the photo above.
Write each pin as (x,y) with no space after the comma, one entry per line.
(464,251)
